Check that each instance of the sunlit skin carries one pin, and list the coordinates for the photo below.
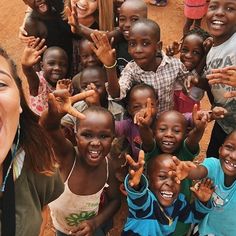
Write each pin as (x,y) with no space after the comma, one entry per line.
(129,13)
(143,47)
(221,18)
(94,137)
(227,154)
(54,65)
(191,51)
(170,131)
(161,183)
(10,109)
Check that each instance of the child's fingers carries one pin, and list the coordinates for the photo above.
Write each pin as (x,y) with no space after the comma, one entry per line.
(230,94)
(175,160)
(141,156)
(195,112)
(82,96)
(149,107)
(40,44)
(130,160)
(72,111)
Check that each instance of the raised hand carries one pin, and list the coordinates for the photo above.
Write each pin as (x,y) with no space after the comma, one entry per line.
(173,49)
(218,113)
(102,48)
(24,38)
(95,98)
(143,118)
(72,19)
(64,84)
(32,52)
(200,118)
(180,169)
(203,189)
(226,75)
(136,169)
(60,102)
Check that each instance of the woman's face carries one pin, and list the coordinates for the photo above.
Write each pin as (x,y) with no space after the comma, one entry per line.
(85,8)
(10,108)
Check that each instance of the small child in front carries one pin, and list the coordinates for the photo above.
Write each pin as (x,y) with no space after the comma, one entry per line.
(156,210)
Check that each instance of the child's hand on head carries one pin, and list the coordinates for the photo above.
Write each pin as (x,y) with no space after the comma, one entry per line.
(95,98)
(180,169)
(32,52)
(60,102)
(173,49)
(64,84)
(203,189)
(143,118)
(102,48)
(136,169)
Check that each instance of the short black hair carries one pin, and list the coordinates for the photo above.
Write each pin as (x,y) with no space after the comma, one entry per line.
(198,31)
(153,26)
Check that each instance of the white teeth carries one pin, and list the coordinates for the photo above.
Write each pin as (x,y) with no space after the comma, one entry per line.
(167,143)
(217,22)
(230,163)
(80,7)
(167,194)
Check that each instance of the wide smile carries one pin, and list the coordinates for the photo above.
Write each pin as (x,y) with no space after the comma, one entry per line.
(217,24)
(230,166)
(167,195)
(81,8)
(43,7)
(94,155)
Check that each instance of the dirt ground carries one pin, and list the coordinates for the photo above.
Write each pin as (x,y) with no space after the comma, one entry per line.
(170,19)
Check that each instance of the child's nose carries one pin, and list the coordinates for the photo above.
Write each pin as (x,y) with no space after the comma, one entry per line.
(95,142)
(220,11)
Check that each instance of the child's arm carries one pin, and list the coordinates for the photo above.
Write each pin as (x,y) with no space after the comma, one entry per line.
(107,56)
(31,55)
(59,103)
(187,169)
(143,119)
(226,75)
(203,190)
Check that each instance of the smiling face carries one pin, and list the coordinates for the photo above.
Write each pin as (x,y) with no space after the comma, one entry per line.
(161,184)
(143,46)
(221,20)
(41,6)
(170,131)
(54,65)
(191,51)
(227,153)
(129,13)
(85,8)
(10,108)
(94,136)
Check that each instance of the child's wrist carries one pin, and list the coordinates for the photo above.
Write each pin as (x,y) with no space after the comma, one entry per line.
(112,66)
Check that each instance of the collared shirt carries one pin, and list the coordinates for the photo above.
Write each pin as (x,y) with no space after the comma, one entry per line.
(169,71)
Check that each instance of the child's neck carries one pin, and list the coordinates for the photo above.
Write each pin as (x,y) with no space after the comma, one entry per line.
(153,65)
(229,180)
(220,40)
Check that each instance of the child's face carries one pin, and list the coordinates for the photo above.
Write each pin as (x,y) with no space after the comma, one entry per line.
(221,19)
(87,55)
(227,153)
(41,6)
(129,13)
(138,101)
(94,137)
(143,46)
(85,8)
(170,131)
(161,183)
(54,66)
(97,79)
(191,51)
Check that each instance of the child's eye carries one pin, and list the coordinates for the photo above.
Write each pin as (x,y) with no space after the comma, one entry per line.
(87,135)
(212,7)
(146,43)
(176,131)
(229,147)
(196,53)
(104,136)
(229,9)
(162,129)
(2,84)
(162,177)
(134,19)
(131,44)
(121,19)
(184,50)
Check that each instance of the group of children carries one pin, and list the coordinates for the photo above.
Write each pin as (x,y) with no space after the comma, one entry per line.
(132,91)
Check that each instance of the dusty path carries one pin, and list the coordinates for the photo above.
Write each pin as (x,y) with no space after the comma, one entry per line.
(170,19)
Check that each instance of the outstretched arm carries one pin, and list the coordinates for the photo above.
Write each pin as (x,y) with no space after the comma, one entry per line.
(107,56)
(31,55)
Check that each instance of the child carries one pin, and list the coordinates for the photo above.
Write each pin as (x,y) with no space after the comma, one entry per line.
(170,138)
(221,18)
(144,45)
(192,54)
(158,3)
(219,221)
(76,210)
(93,77)
(87,58)
(139,98)
(155,211)
(54,67)
(194,12)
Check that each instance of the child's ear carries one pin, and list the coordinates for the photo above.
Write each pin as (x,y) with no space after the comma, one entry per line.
(159,45)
